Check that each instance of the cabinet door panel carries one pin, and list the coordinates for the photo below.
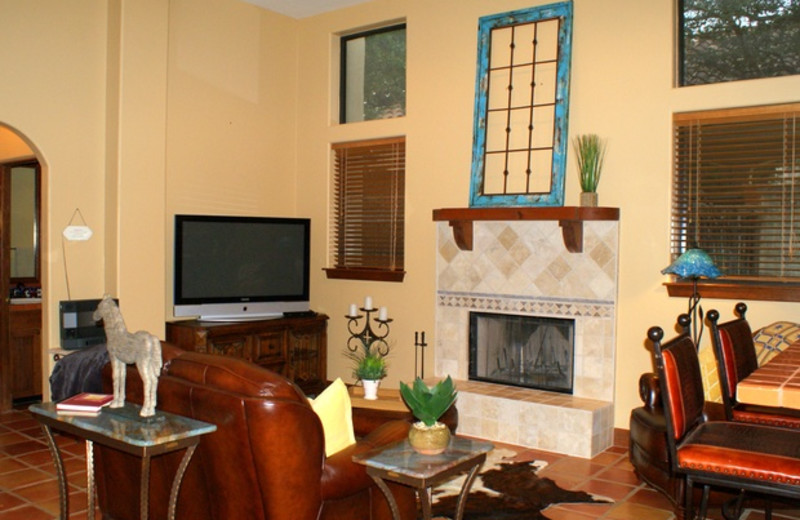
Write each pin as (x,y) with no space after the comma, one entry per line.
(293,347)
(307,355)
(234,346)
(25,349)
(270,350)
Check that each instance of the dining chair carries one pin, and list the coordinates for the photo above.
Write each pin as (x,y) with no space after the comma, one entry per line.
(741,457)
(736,357)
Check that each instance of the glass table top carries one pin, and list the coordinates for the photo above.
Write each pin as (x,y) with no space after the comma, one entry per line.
(402,458)
(125,425)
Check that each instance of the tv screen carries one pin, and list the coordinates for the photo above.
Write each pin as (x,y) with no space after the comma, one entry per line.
(235,268)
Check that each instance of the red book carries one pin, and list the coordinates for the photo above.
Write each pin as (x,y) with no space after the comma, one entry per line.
(85,402)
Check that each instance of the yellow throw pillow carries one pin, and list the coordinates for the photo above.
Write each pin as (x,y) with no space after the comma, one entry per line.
(334,410)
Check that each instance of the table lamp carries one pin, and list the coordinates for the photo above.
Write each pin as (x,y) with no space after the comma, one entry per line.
(694,264)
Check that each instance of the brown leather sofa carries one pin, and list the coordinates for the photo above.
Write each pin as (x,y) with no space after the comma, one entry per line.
(266,460)
(648,444)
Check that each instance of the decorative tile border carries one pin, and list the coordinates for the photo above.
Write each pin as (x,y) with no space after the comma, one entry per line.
(526,304)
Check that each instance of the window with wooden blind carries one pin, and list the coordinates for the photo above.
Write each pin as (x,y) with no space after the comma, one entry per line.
(367,225)
(736,195)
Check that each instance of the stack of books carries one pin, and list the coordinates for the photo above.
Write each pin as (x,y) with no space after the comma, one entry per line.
(85,403)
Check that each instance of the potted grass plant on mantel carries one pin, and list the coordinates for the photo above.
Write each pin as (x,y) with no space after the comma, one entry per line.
(370,368)
(590,152)
(429,436)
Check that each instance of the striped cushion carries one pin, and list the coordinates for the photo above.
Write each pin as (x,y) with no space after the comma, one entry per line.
(774,338)
(768,340)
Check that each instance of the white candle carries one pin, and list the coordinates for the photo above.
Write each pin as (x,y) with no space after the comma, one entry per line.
(383,314)
(353,310)
(368,303)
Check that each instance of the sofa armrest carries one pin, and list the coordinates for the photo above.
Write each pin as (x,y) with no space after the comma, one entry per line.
(341,477)
(388,433)
(366,420)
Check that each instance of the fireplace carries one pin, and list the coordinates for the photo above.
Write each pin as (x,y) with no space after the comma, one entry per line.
(521,270)
(526,351)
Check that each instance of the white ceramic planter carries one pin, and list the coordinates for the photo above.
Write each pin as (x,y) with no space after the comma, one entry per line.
(371,388)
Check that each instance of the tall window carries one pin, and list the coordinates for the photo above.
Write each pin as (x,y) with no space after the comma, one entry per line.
(368,231)
(727,40)
(373,75)
(736,190)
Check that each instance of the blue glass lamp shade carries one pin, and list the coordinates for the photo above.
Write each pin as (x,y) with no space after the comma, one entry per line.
(694,263)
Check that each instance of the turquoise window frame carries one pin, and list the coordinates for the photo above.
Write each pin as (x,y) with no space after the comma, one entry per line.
(555,197)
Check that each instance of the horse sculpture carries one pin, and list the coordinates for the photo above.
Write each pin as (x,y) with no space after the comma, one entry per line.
(141,348)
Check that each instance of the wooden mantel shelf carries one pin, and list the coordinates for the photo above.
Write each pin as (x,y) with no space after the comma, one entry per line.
(570,218)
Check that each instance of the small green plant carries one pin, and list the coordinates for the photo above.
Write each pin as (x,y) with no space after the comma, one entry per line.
(368,365)
(371,367)
(429,404)
(590,152)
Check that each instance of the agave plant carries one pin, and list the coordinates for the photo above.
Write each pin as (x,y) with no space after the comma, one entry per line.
(428,404)
(590,152)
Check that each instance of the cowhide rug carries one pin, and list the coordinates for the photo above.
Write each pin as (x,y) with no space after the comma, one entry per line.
(506,490)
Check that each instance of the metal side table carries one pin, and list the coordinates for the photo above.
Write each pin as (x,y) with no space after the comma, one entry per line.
(400,463)
(123,429)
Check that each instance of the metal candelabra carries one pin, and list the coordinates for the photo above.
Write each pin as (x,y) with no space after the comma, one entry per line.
(367,336)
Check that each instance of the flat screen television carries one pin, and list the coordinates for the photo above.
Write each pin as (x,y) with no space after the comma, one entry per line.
(240,268)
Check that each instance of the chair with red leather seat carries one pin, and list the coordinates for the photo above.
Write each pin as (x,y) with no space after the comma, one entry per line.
(754,458)
(736,357)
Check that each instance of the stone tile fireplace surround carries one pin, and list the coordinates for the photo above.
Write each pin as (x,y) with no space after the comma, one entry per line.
(523,267)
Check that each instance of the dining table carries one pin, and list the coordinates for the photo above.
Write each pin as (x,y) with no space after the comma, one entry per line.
(776,382)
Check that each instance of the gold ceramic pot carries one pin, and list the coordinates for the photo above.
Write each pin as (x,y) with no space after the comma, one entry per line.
(429,440)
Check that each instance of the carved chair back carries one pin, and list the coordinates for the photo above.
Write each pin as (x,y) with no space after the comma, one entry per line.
(735,352)
(741,457)
(681,383)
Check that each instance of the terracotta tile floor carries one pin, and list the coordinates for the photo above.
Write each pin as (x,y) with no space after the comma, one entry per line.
(28,486)
(28,489)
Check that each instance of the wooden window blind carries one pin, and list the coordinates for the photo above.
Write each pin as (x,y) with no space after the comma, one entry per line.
(736,190)
(368,230)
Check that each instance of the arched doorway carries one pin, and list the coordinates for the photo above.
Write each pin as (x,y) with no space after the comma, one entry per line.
(21,282)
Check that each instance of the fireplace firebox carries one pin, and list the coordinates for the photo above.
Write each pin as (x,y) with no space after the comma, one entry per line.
(527,351)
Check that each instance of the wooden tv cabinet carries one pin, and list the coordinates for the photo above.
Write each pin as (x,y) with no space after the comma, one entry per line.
(294,347)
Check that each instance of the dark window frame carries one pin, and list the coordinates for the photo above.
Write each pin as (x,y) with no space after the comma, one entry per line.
(343,41)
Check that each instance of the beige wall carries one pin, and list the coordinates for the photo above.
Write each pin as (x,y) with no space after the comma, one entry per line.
(135,162)
(621,89)
(231,133)
(53,64)
(87,88)
(140,110)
